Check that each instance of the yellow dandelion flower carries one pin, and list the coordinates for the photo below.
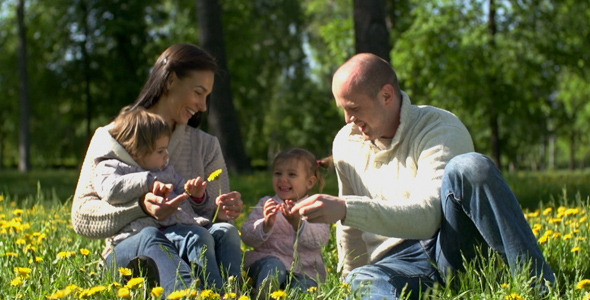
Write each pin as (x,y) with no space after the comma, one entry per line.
(11,254)
(583,219)
(555,220)
(568,236)
(157,292)
(214,175)
(25,272)
(582,284)
(182,294)
(543,239)
(576,249)
(505,285)
(229,296)
(65,254)
(123,293)
(514,296)
(209,295)
(18,212)
(92,291)
(345,286)
(244,297)
(1,198)
(84,251)
(61,293)
(533,214)
(135,282)
(18,281)
(20,241)
(312,289)
(125,271)
(280,294)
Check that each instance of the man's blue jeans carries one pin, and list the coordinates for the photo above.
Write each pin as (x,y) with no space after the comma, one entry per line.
(479,209)
(174,249)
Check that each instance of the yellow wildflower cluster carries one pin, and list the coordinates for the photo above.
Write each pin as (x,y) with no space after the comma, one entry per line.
(559,224)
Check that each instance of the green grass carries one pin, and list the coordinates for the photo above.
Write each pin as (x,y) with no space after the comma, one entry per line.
(36,235)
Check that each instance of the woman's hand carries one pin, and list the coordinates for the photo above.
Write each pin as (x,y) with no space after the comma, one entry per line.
(230,205)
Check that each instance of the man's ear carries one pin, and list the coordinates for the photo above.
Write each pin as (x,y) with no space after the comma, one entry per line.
(387,93)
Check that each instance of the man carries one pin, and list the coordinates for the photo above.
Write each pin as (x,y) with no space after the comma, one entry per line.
(413,197)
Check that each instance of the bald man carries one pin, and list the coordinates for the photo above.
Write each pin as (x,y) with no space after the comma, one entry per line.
(414,198)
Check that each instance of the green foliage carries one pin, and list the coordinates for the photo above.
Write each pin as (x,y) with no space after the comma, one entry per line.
(87,59)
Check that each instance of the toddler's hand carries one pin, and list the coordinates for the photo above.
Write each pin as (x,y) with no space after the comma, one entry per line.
(292,216)
(270,212)
(196,187)
(162,189)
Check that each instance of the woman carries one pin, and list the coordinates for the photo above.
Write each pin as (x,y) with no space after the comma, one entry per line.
(177,90)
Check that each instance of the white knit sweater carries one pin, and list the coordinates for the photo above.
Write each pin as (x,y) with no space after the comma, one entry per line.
(394,194)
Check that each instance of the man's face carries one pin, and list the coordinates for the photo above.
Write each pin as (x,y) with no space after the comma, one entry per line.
(370,115)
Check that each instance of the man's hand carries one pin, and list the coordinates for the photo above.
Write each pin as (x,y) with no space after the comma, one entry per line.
(321,208)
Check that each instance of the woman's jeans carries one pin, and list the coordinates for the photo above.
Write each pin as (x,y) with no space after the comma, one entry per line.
(479,209)
(214,252)
(271,268)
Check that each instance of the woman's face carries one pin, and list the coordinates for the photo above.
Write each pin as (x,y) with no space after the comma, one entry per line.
(185,97)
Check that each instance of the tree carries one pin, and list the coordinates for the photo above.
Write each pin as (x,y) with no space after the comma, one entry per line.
(370,28)
(223,119)
(24,134)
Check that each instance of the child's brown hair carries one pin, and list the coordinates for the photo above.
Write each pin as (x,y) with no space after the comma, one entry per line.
(302,155)
(137,131)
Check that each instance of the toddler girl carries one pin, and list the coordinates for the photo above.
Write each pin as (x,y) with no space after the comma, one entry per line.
(285,246)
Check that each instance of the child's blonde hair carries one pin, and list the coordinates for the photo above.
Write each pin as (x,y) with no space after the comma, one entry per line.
(137,130)
(305,156)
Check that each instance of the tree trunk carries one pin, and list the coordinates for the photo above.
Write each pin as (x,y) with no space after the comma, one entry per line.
(222,118)
(493,113)
(86,69)
(572,164)
(370,28)
(24,146)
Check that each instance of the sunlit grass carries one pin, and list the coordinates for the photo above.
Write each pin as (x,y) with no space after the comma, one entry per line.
(41,257)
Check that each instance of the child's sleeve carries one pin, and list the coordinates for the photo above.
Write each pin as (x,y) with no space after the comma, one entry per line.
(252,233)
(116,187)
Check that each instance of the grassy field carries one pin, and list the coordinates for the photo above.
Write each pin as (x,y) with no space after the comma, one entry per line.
(41,257)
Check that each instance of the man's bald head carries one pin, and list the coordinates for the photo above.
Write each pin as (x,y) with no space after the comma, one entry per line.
(366,73)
